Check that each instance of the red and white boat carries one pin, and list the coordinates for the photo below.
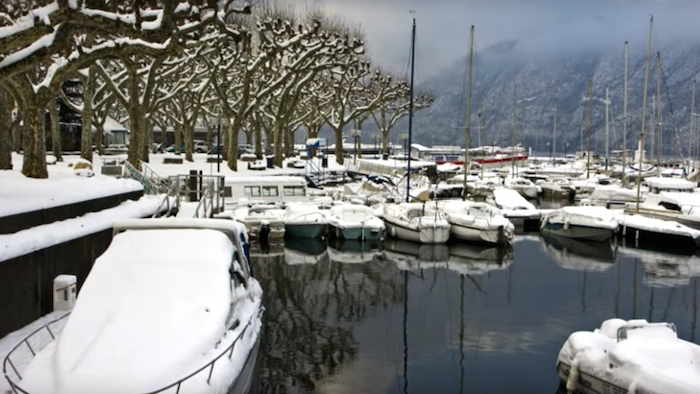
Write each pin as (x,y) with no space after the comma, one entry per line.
(486,156)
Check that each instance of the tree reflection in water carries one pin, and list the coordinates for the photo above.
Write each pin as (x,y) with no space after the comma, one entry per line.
(310,313)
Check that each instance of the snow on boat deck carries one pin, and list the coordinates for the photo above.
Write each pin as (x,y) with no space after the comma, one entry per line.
(37,238)
(145,316)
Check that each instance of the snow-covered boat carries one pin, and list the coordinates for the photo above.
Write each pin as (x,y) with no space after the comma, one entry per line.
(523,186)
(587,223)
(651,232)
(477,222)
(257,215)
(184,317)
(556,186)
(670,199)
(305,220)
(355,222)
(415,222)
(629,357)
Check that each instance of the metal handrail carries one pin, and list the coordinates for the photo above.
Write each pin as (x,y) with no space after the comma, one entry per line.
(8,359)
(177,384)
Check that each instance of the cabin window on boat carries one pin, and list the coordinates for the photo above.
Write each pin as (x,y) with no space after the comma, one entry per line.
(227,191)
(251,191)
(269,191)
(294,191)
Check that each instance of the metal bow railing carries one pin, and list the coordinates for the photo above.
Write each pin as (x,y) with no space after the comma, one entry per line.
(177,385)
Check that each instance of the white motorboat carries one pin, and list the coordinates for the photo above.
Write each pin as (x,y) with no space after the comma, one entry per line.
(585,223)
(305,220)
(523,186)
(556,186)
(355,222)
(257,215)
(182,317)
(670,199)
(416,222)
(477,222)
(629,356)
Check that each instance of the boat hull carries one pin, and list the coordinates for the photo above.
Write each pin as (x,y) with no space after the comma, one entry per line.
(639,236)
(357,233)
(248,380)
(425,235)
(494,236)
(308,230)
(589,384)
(578,232)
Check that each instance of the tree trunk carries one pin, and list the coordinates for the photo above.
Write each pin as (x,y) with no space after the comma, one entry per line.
(278,136)
(86,134)
(56,141)
(99,137)
(189,141)
(339,146)
(6,104)
(17,133)
(136,122)
(178,138)
(34,164)
(258,139)
(164,136)
(146,140)
(385,140)
(231,133)
(312,131)
(289,143)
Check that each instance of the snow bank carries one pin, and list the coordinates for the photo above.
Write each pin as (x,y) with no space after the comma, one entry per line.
(20,194)
(37,238)
(651,359)
(148,316)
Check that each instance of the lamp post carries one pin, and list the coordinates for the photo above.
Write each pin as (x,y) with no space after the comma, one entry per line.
(566,146)
(218,143)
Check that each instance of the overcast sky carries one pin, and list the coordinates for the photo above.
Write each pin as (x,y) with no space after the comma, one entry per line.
(541,25)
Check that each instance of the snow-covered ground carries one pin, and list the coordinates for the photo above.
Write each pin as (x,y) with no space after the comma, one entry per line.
(200,164)
(20,194)
(36,238)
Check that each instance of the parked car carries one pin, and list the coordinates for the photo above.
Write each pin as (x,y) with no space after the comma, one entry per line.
(199,147)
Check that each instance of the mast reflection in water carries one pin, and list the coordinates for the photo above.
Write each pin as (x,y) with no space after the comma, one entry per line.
(412,318)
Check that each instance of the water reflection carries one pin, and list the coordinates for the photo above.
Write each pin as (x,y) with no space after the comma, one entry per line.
(410,318)
(579,255)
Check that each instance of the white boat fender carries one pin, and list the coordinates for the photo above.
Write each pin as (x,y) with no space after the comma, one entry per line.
(566,224)
(572,380)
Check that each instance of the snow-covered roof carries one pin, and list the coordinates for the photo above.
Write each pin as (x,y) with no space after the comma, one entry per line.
(316,142)
(267,180)
(111,125)
(420,147)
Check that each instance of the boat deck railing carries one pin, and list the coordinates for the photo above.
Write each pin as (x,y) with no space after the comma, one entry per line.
(13,375)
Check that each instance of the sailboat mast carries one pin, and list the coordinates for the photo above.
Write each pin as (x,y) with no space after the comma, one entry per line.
(692,122)
(512,131)
(607,126)
(554,134)
(590,108)
(658,110)
(481,129)
(624,117)
(468,131)
(410,113)
(644,114)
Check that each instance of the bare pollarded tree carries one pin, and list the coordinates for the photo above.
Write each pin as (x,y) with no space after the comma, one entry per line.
(395,106)
(47,41)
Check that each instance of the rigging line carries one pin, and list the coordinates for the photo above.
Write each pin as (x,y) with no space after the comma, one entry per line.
(676,133)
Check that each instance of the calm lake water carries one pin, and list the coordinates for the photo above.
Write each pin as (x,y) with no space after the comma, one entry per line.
(413,318)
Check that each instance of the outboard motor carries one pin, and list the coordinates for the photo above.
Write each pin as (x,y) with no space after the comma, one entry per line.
(264,237)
